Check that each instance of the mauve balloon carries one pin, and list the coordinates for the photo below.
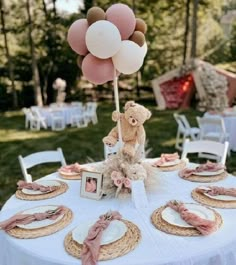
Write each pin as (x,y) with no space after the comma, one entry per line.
(97,71)
(76,36)
(123,18)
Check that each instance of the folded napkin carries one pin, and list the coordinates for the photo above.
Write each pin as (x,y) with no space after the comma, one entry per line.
(209,166)
(73,168)
(214,191)
(91,245)
(166,158)
(18,219)
(204,226)
(34,186)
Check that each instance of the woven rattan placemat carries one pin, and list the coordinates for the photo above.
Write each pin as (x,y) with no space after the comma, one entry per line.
(207,179)
(44,231)
(179,166)
(164,226)
(204,199)
(110,251)
(60,189)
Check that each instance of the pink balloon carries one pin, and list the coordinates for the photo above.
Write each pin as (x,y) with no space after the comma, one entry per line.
(123,17)
(76,36)
(97,71)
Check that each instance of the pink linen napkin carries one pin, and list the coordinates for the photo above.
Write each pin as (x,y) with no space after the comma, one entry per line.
(166,158)
(214,191)
(91,245)
(73,168)
(29,218)
(34,186)
(205,227)
(209,166)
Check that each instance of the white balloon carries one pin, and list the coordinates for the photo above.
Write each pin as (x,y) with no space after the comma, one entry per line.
(129,58)
(103,39)
(144,49)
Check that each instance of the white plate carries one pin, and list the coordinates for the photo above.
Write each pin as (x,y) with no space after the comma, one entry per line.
(209,173)
(170,163)
(50,183)
(113,232)
(221,197)
(42,223)
(172,217)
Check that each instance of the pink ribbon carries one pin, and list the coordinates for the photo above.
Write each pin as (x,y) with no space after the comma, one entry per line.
(204,226)
(209,166)
(29,218)
(34,186)
(214,191)
(120,180)
(91,245)
(166,158)
(73,168)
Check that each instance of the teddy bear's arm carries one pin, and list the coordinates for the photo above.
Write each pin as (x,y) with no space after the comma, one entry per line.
(116,115)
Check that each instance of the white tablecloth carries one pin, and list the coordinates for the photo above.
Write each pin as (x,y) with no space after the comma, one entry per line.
(66,113)
(155,248)
(230,126)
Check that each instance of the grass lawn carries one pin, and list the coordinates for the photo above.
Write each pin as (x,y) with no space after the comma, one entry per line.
(78,144)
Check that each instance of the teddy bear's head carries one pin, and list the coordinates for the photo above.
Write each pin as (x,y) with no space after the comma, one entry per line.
(136,172)
(136,114)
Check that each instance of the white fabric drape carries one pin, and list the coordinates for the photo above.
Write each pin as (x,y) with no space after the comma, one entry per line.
(155,248)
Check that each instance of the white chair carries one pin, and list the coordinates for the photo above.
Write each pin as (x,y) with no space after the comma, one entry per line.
(26,111)
(37,115)
(213,128)
(57,120)
(216,150)
(111,150)
(32,120)
(40,158)
(78,117)
(91,112)
(184,130)
(77,104)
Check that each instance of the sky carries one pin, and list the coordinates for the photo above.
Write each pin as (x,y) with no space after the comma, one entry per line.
(69,6)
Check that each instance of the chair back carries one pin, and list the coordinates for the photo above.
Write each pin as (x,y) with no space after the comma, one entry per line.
(40,158)
(77,104)
(182,122)
(209,124)
(111,150)
(206,146)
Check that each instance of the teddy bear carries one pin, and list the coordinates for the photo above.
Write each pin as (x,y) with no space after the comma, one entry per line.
(132,130)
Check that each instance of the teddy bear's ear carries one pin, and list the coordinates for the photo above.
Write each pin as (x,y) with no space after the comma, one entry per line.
(128,104)
(149,114)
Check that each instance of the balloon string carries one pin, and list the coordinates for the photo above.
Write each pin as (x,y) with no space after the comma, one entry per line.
(116,94)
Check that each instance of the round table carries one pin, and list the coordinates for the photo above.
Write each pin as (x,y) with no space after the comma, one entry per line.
(155,247)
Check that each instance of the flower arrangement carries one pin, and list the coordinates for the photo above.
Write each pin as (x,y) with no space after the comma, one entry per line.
(215,86)
(120,170)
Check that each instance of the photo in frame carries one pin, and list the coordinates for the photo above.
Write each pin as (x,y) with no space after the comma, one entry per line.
(91,185)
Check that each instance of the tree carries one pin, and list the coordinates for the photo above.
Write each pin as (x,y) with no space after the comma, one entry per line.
(8,55)
(35,71)
(186,32)
(194,28)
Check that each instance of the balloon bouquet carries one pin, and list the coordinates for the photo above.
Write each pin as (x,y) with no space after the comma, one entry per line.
(109,43)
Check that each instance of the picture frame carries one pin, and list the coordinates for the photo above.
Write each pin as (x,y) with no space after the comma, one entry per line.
(91,185)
